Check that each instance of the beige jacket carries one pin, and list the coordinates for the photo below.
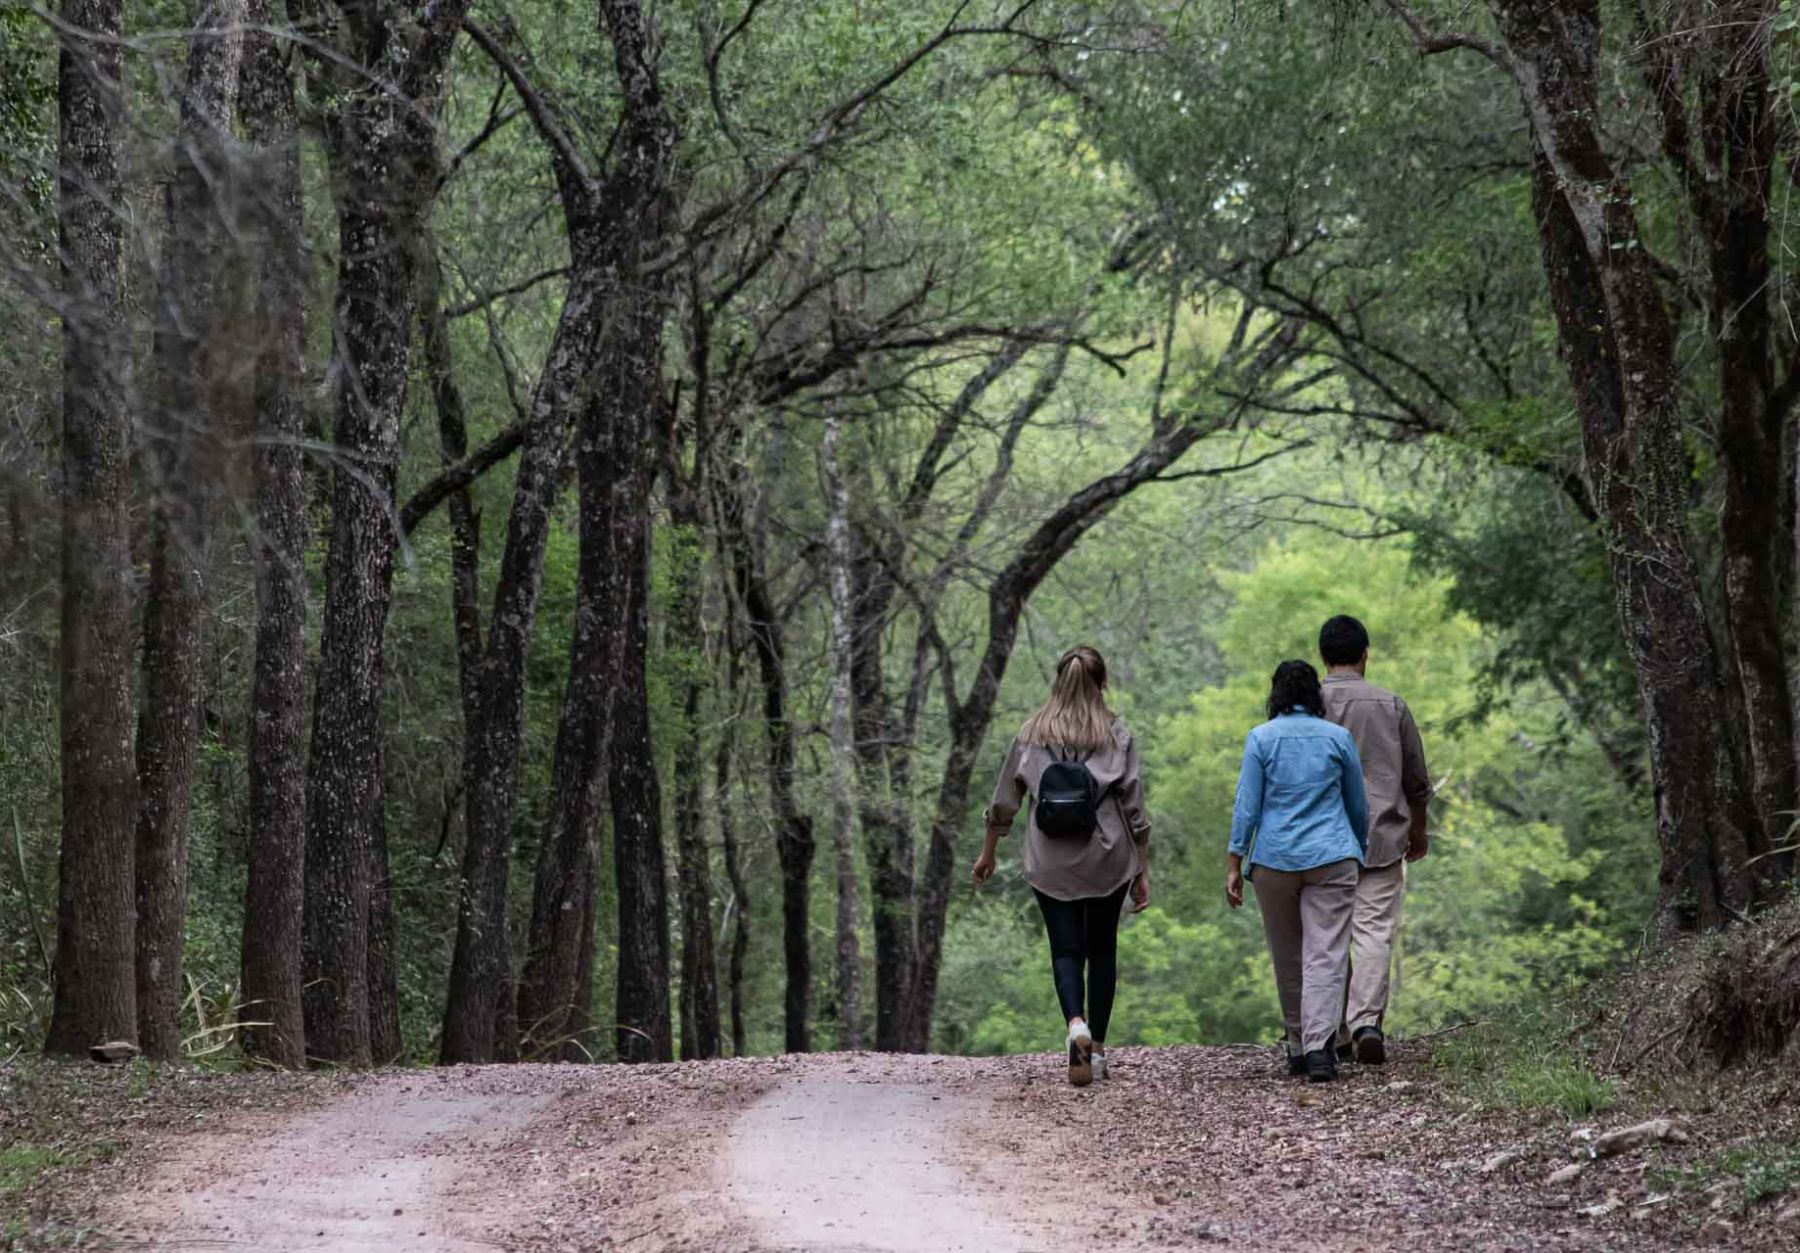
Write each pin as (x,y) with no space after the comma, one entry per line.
(1393,760)
(1067,869)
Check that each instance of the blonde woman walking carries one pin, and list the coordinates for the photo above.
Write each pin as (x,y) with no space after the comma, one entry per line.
(1087,842)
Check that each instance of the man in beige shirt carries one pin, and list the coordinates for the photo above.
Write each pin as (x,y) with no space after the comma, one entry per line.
(1399,788)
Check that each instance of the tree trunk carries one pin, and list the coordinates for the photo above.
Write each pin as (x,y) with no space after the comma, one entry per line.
(386,1047)
(274,893)
(465,523)
(481,997)
(843,743)
(884,773)
(1757,556)
(734,867)
(554,991)
(381,140)
(699,970)
(1721,60)
(344,777)
(793,830)
(642,1018)
(631,220)
(96,991)
(1619,350)
(885,745)
(181,427)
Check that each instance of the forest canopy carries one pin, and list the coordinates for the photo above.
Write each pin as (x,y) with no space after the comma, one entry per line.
(528,528)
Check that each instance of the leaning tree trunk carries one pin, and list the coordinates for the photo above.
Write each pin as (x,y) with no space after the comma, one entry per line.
(630,214)
(96,991)
(884,744)
(181,428)
(843,745)
(553,991)
(274,892)
(453,448)
(1618,347)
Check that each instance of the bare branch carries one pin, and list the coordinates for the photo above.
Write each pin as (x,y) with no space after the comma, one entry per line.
(1430,42)
(571,171)
(477,303)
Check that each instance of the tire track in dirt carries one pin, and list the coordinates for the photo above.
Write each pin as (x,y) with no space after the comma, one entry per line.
(847,1166)
(375,1170)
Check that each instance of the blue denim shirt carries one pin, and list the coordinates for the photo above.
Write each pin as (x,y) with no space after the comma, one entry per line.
(1300,799)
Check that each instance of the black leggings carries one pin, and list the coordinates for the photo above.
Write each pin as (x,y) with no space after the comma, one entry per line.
(1085,932)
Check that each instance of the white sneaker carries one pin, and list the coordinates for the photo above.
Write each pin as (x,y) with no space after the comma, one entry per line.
(1101,1070)
(1081,1055)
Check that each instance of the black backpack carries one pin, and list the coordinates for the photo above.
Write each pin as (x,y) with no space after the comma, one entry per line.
(1068,800)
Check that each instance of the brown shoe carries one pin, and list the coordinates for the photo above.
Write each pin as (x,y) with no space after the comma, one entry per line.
(1081,1056)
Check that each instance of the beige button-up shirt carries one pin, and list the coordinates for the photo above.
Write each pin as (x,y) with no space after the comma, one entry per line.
(1067,869)
(1393,760)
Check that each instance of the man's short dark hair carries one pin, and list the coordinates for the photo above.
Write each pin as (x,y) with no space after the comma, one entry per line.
(1343,641)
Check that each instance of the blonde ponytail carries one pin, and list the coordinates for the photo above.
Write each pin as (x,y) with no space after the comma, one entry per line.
(1075,717)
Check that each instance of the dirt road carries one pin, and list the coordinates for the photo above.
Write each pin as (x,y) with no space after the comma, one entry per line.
(1183,1148)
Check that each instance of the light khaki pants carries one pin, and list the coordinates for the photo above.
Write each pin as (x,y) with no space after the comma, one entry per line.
(1372,930)
(1306,915)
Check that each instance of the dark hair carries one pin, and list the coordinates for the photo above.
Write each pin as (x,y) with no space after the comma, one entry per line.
(1296,686)
(1343,641)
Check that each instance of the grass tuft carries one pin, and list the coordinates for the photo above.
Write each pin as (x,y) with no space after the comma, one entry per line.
(1766,1170)
(1522,1063)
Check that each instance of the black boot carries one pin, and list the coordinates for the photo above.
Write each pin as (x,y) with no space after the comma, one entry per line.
(1296,1064)
(1321,1065)
(1370,1046)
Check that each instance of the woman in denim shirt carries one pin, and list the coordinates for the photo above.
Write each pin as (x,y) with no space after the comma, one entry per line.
(1302,821)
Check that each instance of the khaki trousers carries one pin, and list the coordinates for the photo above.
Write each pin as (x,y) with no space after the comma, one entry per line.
(1372,929)
(1306,916)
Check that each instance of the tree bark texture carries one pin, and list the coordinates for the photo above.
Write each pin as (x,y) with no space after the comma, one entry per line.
(381,141)
(95,982)
(843,741)
(1618,347)
(181,426)
(275,890)
(632,389)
